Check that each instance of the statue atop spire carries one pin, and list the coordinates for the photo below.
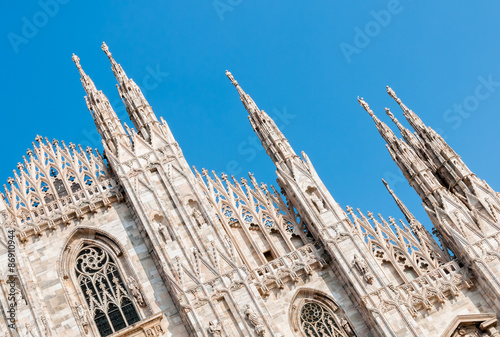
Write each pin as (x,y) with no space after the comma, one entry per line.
(76,59)
(105,118)
(231,78)
(105,49)
(365,106)
(392,94)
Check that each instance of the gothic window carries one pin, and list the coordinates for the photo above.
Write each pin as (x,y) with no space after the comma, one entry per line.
(316,320)
(111,306)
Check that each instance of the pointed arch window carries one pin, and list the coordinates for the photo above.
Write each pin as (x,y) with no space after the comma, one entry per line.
(317,320)
(111,306)
(315,314)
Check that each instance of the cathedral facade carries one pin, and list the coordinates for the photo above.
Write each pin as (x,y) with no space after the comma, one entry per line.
(134,242)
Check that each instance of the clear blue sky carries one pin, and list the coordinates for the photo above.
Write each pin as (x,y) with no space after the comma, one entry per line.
(306,59)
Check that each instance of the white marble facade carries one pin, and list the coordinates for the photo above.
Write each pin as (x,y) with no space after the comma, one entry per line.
(139,244)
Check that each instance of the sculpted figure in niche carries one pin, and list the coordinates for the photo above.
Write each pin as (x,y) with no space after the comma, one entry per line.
(317,202)
(255,320)
(134,291)
(80,311)
(198,217)
(362,268)
(163,232)
(347,327)
(215,328)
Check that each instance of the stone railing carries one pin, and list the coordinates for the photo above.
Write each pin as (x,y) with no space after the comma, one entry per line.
(420,293)
(290,266)
(64,209)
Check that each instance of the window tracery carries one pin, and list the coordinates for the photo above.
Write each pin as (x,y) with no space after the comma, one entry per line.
(110,303)
(318,321)
(315,314)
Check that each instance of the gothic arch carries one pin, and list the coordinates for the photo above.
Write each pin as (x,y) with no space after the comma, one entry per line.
(122,280)
(310,307)
(472,325)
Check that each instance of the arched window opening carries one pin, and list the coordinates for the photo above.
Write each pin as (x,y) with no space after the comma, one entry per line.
(111,306)
(317,321)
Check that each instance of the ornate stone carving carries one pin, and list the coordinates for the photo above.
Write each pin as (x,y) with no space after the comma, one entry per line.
(362,267)
(163,232)
(82,316)
(255,320)
(135,291)
(198,217)
(317,202)
(215,328)
(347,327)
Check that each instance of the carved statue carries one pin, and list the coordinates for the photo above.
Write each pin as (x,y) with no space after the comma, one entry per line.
(18,295)
(134,291)
(255,320)
(362,268)
(82,316)
(391,92)
(215,328)
(317,202)
(29,331)
(45,324)
(198,217)
(231,78)
(363,104)
(163,232)
(347,327)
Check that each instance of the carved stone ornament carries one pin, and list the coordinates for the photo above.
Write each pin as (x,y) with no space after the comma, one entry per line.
(362,268)
(255,320)
(215,328)
(82,316)
(135,291)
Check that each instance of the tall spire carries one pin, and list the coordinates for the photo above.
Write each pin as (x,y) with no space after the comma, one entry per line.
(117,69)
(247,101)
(411,140)
(408,215)
(441,158)
(415,121)
(107,122)
(138,108)
(416,227)
(272,138)
(384,130)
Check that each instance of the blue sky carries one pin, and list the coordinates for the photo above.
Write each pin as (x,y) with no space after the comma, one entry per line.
(302,62)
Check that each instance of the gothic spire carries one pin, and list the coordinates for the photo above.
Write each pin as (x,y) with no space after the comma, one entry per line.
(272,138)
(453,172)
(408,215)
(411,140)
(87,82)
(107,122)
(138,108)
(117,69)
(412,118)
(384,130)
(416,227)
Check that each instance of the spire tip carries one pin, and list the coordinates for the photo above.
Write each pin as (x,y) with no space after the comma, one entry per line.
(391,92)
(365,105)
(105,49)
(231,78)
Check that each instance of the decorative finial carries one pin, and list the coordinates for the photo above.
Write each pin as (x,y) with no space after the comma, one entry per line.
(365,105)
(231,78)
(392,93)
(386,184)
(389,113)
(76,59)
(39,138)
(105,49)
